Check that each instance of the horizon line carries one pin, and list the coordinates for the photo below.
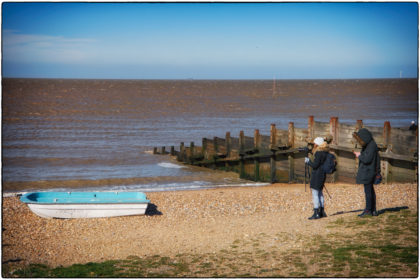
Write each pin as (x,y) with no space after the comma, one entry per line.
(212,79)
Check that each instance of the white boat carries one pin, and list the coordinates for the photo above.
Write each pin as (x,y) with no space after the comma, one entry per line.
(86,204)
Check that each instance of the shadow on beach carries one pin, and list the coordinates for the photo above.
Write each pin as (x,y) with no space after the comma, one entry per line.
(395,209)
(346,212)
(152,210)
(12,261)
(380,212)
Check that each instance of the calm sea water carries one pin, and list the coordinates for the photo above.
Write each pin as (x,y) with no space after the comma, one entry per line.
(98,134)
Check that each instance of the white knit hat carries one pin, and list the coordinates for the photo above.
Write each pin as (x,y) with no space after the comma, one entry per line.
(319,141)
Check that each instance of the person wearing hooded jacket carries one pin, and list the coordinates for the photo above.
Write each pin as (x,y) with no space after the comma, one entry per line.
(318,176)
(366,173)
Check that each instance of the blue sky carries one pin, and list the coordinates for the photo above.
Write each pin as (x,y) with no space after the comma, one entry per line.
(209,40)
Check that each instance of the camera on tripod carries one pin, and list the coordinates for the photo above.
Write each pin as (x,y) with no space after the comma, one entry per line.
(306,150)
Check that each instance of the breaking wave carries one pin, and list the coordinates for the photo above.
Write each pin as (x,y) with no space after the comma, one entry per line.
(170,165)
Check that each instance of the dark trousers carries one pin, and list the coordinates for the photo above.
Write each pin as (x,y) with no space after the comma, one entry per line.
(370,197)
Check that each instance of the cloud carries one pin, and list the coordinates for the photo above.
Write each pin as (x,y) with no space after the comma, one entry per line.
(29,48)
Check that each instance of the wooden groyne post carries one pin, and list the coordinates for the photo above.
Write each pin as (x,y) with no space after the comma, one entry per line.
(228,144)
(257,147)
(273,149)
(241,154)
(204,148)
(181,152)
(192,149)
(334,132)
(386,167)
(291,144)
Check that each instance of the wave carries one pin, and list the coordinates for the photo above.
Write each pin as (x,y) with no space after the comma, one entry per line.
(170,165)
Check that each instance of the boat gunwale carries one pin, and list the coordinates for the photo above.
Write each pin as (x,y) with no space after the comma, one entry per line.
(73,203)
(26,198)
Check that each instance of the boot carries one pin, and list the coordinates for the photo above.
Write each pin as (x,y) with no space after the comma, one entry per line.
(365,213)
(323,214)
(374,212)
(316,214)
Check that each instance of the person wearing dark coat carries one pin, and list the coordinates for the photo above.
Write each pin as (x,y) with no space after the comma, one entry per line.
(366,172)
(318,176)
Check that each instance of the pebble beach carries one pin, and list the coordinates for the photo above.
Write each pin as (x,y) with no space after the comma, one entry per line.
(182,222)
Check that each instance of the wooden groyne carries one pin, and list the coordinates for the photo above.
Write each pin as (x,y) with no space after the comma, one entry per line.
(277,157)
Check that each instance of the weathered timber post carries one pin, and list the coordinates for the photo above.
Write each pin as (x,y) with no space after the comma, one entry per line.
(181,152)
(204,148)
(241,154)
(163,150)
(335,132)
(291,143)
(241,142)
(311,127)
(387,134)
(191,153)
(216,151)
(216,146)
(172,150)
(257,139)
(359,125)
(273,144)
(386,166)
(155,151)
(228,144)
(257,146)
(273,137)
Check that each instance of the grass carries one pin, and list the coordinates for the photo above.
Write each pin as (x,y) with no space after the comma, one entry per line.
(383,246)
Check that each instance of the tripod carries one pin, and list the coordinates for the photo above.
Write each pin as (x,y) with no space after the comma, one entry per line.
(307,173)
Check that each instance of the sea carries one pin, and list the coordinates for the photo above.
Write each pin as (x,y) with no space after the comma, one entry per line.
(68,134)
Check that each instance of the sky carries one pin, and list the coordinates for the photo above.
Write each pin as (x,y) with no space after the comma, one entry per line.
(209,40)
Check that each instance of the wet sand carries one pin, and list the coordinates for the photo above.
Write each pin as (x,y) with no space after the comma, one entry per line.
(199,222)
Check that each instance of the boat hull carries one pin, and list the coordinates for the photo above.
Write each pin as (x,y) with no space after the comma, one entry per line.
(68,211)
(67,205)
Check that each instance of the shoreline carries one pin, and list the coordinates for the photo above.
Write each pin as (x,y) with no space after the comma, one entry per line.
(151,190)
(193,221)
(206,179)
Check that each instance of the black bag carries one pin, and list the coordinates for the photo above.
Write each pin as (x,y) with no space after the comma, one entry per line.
(329,164)
(378,179)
